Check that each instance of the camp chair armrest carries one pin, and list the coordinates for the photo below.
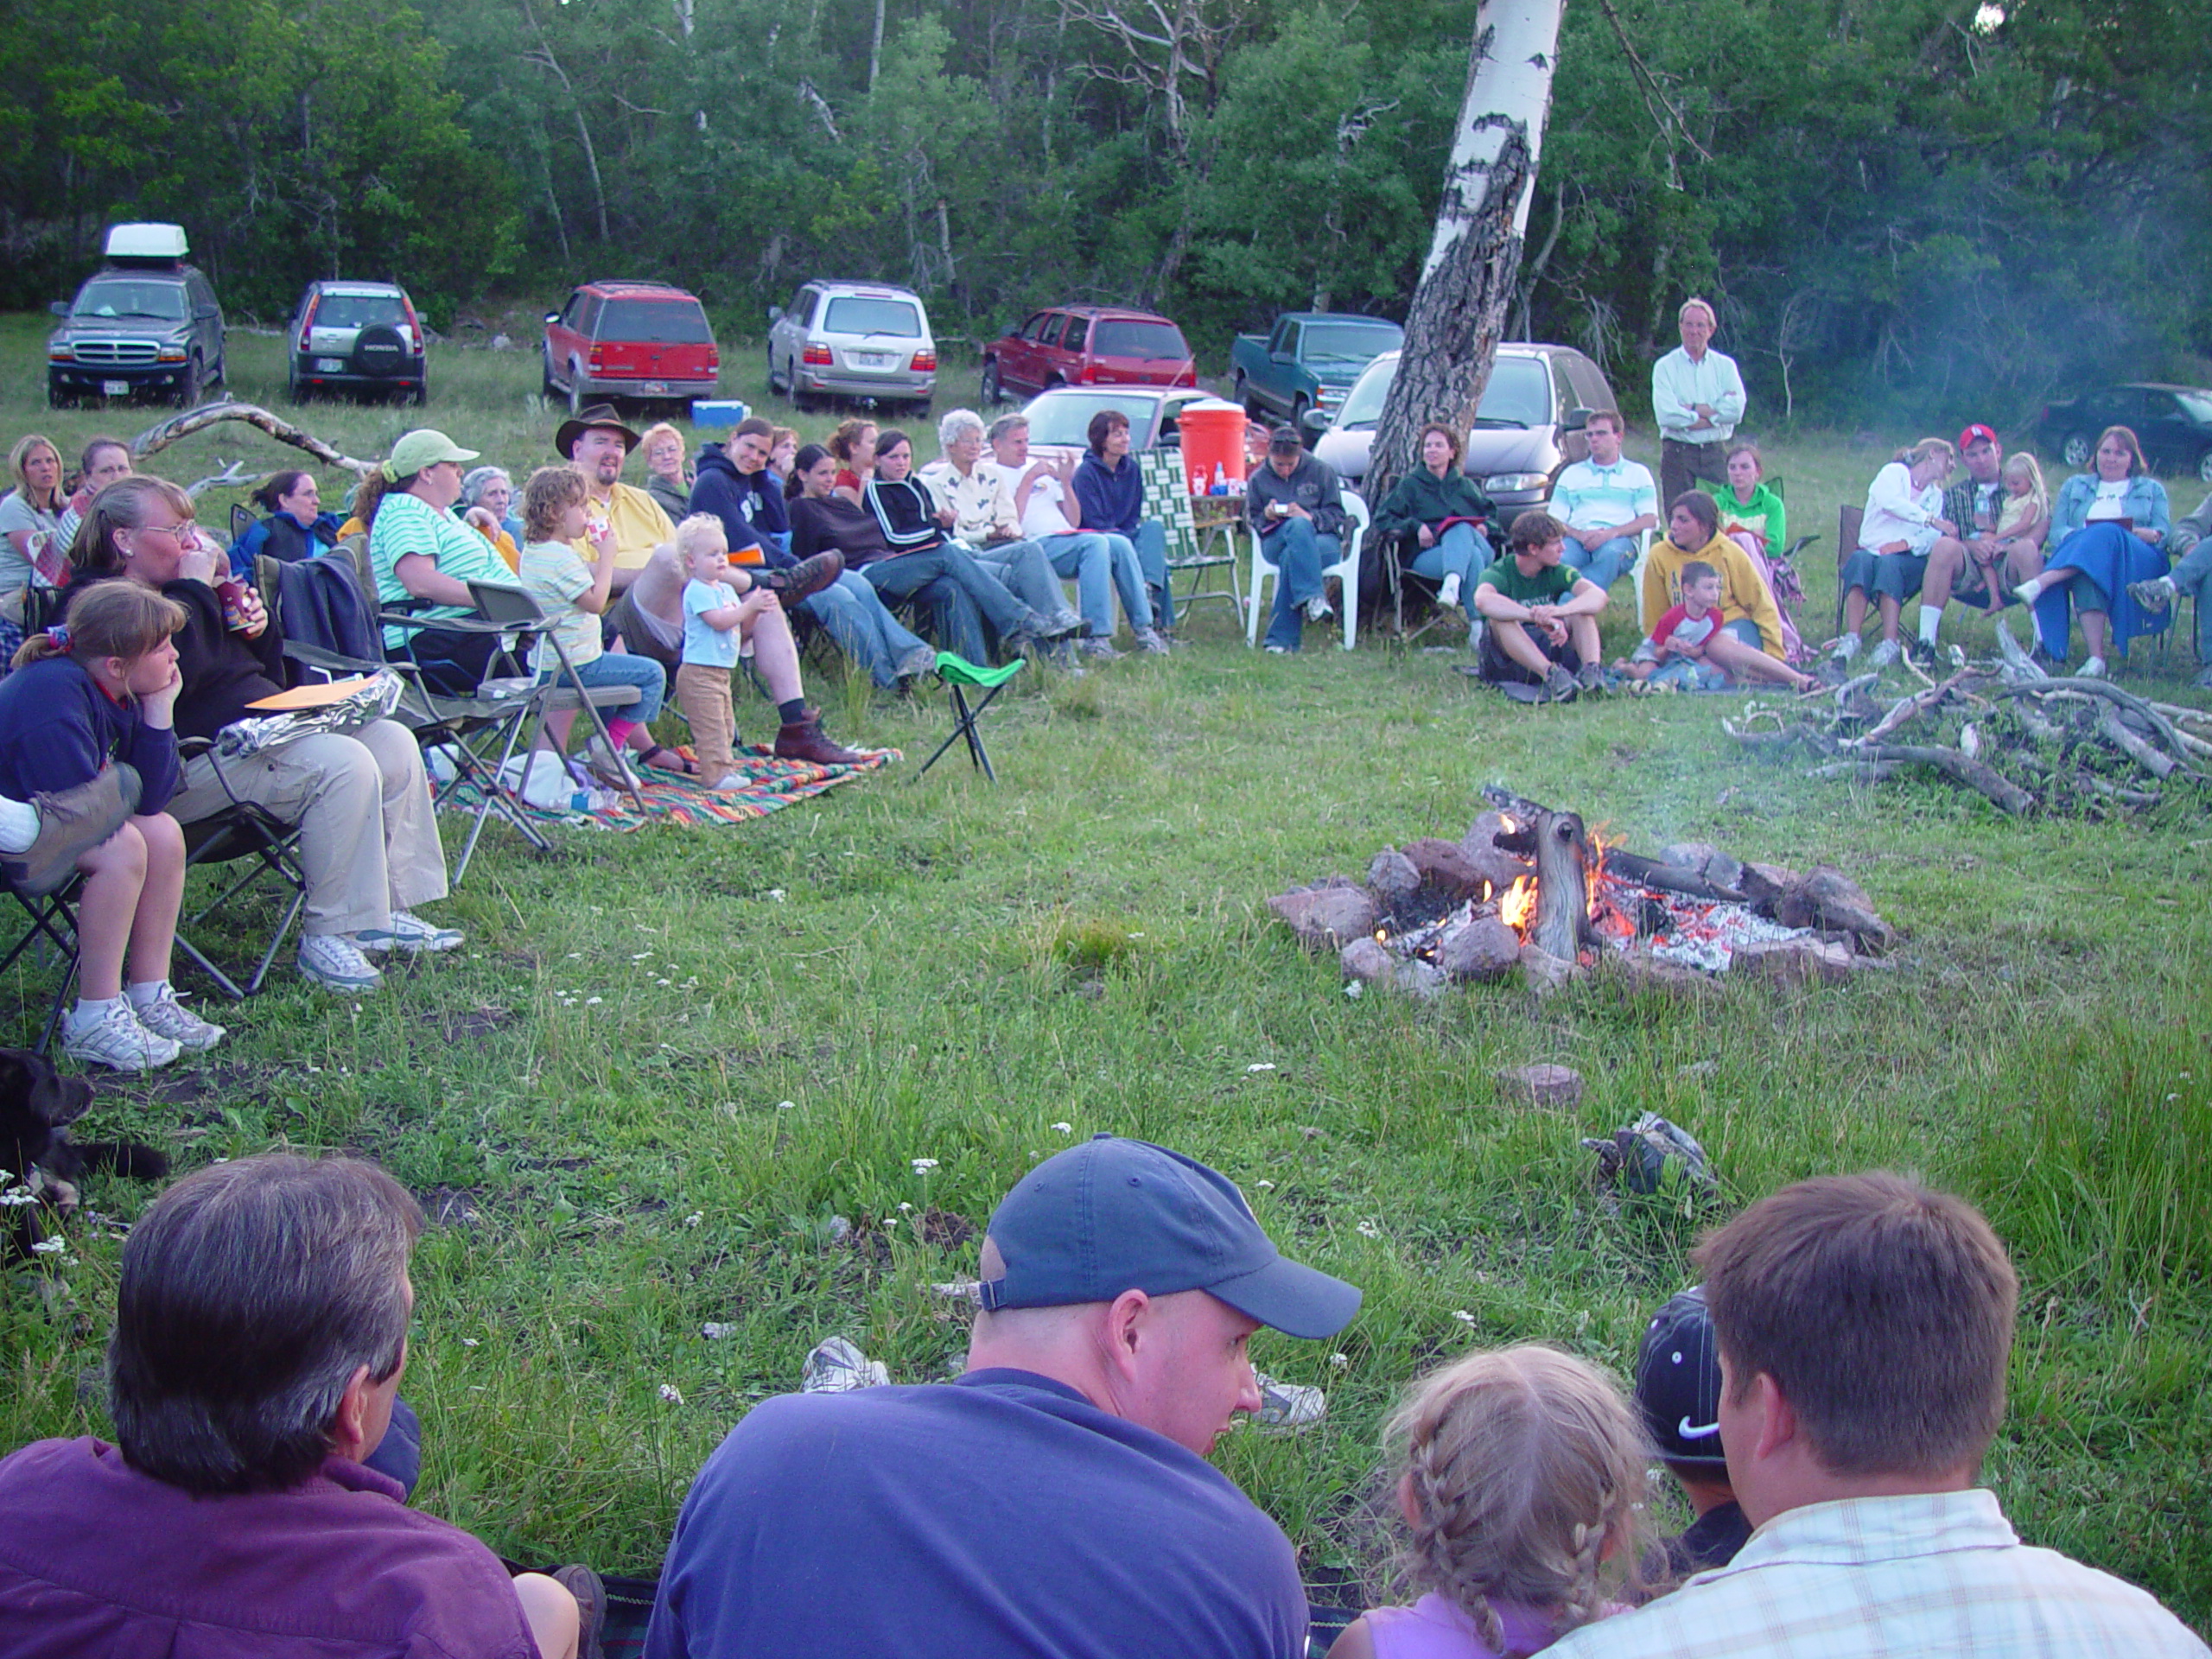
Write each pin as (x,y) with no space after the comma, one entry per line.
(336,662)
(443,623)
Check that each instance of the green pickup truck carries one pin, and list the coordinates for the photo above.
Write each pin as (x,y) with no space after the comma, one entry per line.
(1308,360)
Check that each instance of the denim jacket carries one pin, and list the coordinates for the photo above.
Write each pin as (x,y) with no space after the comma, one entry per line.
(2145,502)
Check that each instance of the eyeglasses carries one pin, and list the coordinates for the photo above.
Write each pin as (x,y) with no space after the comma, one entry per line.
(174,532)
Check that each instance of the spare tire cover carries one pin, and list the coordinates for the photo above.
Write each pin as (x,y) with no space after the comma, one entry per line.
(380,350)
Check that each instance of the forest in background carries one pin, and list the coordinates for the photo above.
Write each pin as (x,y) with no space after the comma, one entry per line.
(1896,205)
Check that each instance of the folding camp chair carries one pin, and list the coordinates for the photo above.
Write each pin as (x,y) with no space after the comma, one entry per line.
(242,832)
(518,608)
(1847,522)
(53,918)
(959,673)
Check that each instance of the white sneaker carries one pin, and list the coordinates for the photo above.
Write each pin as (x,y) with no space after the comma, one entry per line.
(167,1017)
(2092,670)
(837,1366)
(2028,592)
(1289,1407)
(117,1041)
(1886,652)
(335,962)
(1318,608)
(408,932)
(1448,594)
(1847,648)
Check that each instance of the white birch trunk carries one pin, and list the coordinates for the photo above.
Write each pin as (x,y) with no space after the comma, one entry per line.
(1467,283)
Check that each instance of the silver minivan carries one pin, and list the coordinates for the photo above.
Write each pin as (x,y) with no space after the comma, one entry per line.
(1529,426)
(853,340)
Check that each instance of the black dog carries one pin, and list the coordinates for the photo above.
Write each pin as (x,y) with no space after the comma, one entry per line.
(37,1104)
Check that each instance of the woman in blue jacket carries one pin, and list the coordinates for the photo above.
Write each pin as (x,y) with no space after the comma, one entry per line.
(1109,488)
(2108,528)
(296,526)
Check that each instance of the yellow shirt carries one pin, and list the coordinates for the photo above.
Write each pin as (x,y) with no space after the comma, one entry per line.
(1744,592)
(639,523)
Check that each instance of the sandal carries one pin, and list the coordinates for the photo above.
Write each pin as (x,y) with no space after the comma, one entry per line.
(682,766)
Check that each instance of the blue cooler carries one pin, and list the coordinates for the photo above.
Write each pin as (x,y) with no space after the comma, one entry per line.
(718,412)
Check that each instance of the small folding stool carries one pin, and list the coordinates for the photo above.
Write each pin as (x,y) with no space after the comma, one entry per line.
(957,674)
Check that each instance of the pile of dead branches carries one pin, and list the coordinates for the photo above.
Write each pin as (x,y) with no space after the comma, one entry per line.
(2007,730)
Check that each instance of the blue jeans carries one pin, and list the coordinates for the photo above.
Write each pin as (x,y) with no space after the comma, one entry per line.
(2189,573)
(610,667)
(862,626)
(1460,551)
(1298,554)
(1605,564)
(1025,571)
(1101,563)
(961,596)
(1151,544)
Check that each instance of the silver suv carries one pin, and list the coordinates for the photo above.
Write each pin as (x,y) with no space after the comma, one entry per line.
(359,337)
(853,340)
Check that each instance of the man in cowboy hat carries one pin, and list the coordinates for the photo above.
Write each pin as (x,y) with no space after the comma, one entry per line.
(597,444)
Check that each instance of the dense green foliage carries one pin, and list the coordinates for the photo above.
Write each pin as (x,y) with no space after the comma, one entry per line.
(1895,206)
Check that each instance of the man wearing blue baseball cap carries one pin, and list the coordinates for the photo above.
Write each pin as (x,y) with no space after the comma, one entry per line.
(1053,1502)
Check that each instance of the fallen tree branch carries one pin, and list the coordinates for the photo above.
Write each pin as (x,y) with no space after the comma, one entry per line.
(1908,709)
(2096,786)
(177,427)
(2008,796)
(2113,694)
(2148,756)
(1856,772)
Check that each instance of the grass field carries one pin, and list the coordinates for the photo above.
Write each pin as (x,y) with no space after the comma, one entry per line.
(667,1061)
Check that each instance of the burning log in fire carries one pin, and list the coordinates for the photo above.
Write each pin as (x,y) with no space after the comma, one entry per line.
(1533,888)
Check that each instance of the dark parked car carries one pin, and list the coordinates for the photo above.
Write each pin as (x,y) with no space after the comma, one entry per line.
(631,341)
(146,322)
(359,337)
(2174,424)
(1087,345)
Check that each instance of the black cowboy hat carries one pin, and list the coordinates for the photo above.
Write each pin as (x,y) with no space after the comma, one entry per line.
(592,416)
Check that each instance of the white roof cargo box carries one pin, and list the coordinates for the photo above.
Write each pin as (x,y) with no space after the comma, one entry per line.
(146,244)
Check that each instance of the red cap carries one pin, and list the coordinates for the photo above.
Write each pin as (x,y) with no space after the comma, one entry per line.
(1976,433)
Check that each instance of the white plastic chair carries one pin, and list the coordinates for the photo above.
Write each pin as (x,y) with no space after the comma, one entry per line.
(1635,575)
(1345,569)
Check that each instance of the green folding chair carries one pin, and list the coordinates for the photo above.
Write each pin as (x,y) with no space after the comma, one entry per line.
(958,674)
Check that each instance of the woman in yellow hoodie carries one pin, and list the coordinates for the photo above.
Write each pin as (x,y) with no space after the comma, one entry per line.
(1749,642)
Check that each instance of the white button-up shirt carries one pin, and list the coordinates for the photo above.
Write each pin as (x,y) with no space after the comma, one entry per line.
(981,501)
(1934,1575)
(1678,386)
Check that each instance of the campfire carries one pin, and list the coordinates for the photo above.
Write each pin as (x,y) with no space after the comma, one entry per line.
(1537,890)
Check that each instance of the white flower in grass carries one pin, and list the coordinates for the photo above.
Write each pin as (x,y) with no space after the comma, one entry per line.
(695,1218)
(1065,1129)
(906,1209)
(787,1105)
(593,1002)
(1354,990)
(50,1246)
(1264,1065)
(1463,1316)
(671,1394)
(17,1197)
(641,956)
(469,1342)
(776,894)
(1369,1230)
(923,1166)
(713,1331)
(1342,1362)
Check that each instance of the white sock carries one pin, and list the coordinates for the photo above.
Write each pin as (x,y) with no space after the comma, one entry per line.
(145,996)
(90,1012)
(18,825)
(1929,616)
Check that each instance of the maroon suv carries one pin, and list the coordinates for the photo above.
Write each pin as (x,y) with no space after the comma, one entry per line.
(637,341)
(1087,345)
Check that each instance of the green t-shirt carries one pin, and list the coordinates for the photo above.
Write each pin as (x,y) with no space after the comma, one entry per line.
(407,523)
(1552,582)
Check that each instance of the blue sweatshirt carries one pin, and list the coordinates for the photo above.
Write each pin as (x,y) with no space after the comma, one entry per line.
(1111,500)
(750,505)
(58,729)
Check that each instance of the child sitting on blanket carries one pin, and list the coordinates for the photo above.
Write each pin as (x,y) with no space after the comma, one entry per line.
(1524,1487)
(714,617)
(1675,654)
(573,594)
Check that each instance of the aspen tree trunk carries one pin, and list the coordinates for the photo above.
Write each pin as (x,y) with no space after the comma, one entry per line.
(1458,308)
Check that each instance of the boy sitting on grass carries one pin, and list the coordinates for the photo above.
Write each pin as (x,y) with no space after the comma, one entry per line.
(1675,653)
(1542,615)
(1678,1387)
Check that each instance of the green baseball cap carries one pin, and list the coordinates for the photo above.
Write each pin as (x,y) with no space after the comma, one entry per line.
(425,447)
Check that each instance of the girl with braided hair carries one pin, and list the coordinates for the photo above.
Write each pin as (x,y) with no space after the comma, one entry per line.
(1523,1488)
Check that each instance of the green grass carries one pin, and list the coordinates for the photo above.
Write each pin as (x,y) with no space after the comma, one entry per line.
(948,970)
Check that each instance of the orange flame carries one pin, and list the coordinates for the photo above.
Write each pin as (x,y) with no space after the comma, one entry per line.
(1505,823)
(1518,907)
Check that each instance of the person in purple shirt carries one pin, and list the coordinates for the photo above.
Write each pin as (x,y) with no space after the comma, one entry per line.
(261,1330)
(1053,1502)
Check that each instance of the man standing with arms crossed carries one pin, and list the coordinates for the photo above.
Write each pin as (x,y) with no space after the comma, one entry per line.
(1697,396)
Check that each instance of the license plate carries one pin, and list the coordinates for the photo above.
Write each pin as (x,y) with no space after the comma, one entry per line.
(329,364)
(653,388)
(115,388)
(871,360)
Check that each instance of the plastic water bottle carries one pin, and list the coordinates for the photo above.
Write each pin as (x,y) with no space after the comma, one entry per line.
(1220,479)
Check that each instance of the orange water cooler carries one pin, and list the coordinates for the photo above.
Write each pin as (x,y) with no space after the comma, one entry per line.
(1213,435)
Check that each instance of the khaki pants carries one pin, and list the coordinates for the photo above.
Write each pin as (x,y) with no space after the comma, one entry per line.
(368,835)
(702,693)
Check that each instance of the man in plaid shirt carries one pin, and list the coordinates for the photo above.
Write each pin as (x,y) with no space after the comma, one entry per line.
(1863,1324)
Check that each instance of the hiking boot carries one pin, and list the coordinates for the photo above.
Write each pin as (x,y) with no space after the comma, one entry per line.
(408,932)
(590,1592)
(2155,594)
(1921,652)
(1152,643)
(167,1017)
(1289,1407)
(805,739)
(1098,648)
(116,1040)
(1067,625)
(1885,653)
(1559,685)
(335,962)
(921,660)
(837,1366)
(71,822)
(805,579)
(1592,678)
